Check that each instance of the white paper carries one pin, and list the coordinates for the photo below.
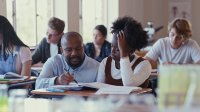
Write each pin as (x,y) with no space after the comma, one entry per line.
(117,90)
(65,87)
(102,88)
(96,85)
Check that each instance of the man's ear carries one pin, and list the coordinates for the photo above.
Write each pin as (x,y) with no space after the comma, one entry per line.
(61,49)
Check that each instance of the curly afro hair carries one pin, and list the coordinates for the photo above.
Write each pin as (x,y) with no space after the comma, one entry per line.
(135,36)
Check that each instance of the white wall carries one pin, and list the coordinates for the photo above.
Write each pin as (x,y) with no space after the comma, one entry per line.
(195,20)
(73,15)
(157,12)
(3,7)
(147,10)
(132,8)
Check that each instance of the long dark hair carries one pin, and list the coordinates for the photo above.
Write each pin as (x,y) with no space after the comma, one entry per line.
(102,29)
(9,37)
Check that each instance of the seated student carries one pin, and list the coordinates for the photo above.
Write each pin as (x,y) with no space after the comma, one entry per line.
(123,67)
(178,48)
(99,48)
(49,46)
(79,66)
(15,56)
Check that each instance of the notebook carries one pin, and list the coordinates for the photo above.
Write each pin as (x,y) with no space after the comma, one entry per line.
(12,76)
(101,88)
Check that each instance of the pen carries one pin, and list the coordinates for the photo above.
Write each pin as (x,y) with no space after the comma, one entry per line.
(68,72)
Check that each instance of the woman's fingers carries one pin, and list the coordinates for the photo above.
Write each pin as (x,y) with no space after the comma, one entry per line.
(122,33)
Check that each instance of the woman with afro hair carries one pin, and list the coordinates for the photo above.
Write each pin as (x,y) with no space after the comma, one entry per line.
(124,67)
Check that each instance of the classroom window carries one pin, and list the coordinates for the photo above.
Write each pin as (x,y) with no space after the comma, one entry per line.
(29,18)
(95,12)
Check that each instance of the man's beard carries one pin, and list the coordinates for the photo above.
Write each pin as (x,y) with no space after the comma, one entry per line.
(74,62)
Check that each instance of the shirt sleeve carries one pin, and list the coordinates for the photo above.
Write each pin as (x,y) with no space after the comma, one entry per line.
(155,51)
(195,52)
(101,71)
(46,77)
(25,54)
(134,78)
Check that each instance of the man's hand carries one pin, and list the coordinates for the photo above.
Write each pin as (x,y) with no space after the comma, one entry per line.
(64,79)
(123,47)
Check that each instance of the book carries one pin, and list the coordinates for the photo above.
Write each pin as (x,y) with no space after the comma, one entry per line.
(11,76)
(101,88)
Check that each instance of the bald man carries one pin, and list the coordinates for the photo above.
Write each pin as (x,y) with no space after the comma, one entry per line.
(71,64)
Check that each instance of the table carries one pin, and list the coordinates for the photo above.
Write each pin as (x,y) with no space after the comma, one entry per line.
(43,93)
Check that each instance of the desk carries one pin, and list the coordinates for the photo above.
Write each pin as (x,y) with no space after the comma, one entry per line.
(85,93)
(16,83)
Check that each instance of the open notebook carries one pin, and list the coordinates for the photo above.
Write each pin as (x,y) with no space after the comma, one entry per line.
(101,87)
(11,76)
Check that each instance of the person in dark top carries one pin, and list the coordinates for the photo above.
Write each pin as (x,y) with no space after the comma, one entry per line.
(50,45)
(99,48)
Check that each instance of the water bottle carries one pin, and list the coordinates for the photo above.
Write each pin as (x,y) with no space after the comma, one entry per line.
(3,98)
(16,100)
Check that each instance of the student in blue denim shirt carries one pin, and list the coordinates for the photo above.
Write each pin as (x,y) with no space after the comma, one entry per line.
(99,48)
(15,56)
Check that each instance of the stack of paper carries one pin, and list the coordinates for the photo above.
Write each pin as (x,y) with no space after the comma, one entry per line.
(101,87)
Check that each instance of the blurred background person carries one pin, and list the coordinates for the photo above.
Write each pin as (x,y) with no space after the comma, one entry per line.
(178,48)
(50,45)
(100,47)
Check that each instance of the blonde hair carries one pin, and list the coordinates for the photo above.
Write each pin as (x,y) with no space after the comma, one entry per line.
(182,27)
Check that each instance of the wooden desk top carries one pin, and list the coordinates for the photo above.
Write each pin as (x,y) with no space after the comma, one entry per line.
(18,81)
(80,93)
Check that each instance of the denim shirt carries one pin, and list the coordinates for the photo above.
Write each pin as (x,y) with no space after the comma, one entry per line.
(105,51)
(9,65)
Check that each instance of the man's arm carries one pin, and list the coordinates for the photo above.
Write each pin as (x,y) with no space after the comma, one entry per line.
(152,62)
(195,53)
(198,62)
(37,53)
(101,71)
(47,76)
